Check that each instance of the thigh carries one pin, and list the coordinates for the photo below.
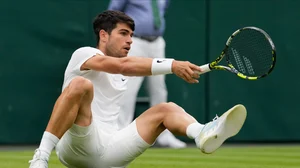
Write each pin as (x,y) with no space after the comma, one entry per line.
(161,116)
(124,146)
(80,147)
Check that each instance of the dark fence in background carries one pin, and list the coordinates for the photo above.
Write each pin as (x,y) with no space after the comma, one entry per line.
(38,38)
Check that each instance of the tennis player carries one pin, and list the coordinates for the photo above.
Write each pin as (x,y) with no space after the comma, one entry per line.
(83,125)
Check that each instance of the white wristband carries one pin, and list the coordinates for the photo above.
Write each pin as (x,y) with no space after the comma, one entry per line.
(161,66)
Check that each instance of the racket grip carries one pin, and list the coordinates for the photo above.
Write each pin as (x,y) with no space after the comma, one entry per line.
(204,68)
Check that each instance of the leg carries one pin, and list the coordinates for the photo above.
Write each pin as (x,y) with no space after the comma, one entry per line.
(164,115)
(124,146)
(72,106)
(208,137)
(133,140)
(81,146)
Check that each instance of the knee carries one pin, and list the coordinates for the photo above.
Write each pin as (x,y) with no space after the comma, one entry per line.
(168,107)
(79,86)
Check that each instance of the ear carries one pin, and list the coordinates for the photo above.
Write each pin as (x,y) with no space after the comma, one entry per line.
(103,35)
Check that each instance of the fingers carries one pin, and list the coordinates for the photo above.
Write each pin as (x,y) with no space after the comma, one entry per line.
(189,76)
(195,68)
(190,79)
(193,73)
(192,76)
(187,71)
(185,76)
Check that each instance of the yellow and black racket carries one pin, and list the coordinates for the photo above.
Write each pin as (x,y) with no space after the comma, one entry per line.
(250,54)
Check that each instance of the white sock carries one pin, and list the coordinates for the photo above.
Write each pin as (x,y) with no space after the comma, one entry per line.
(47,144)
(193,130)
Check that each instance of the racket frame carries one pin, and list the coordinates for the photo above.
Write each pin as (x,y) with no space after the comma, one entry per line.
(214,65)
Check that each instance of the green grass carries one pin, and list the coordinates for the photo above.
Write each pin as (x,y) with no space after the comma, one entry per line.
(225,157)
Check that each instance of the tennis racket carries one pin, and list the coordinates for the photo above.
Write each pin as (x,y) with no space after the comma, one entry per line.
(250,54)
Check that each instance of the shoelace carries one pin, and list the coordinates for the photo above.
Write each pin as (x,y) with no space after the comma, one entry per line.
(214,120)
(37,156)
(216,117)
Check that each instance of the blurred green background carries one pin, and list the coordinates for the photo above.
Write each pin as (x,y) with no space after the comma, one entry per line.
(39,36)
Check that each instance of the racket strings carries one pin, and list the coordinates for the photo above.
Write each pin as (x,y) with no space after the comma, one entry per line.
(250,53)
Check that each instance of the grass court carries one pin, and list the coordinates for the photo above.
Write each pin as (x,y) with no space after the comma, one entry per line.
(244,156)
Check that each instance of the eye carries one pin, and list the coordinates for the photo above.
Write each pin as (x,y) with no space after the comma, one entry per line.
(124,33)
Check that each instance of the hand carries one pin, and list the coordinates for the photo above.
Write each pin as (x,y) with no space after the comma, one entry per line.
(186,70)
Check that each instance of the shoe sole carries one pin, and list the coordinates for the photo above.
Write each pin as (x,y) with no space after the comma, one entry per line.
(235,118)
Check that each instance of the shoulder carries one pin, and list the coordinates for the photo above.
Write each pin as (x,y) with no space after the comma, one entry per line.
(87,49)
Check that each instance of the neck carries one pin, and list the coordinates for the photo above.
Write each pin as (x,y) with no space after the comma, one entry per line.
(101,48)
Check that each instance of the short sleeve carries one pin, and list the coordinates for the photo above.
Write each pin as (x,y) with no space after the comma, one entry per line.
(80,56)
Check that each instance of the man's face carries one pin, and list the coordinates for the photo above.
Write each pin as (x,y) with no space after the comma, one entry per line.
(119,41)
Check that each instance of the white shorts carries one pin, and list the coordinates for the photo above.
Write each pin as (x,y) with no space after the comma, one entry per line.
(95,147)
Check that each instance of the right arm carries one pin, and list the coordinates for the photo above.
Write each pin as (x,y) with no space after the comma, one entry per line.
(139,66)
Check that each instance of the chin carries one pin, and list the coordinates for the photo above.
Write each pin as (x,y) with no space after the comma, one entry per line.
(124,55)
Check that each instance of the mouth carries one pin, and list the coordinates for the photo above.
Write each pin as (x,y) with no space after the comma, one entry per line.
(127,48)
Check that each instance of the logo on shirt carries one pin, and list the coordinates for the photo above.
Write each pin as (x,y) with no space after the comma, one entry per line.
(123,79)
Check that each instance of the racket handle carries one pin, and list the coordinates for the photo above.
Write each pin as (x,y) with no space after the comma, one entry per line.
(205,68)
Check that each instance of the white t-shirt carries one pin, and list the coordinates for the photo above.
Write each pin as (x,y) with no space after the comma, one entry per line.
(108,88)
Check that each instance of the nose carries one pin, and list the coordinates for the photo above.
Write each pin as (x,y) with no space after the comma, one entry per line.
(129,40)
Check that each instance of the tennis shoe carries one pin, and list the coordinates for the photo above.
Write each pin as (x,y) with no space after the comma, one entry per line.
(221,128)
(38,161)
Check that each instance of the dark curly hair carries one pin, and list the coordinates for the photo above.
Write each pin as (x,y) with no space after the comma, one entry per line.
(108,20)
